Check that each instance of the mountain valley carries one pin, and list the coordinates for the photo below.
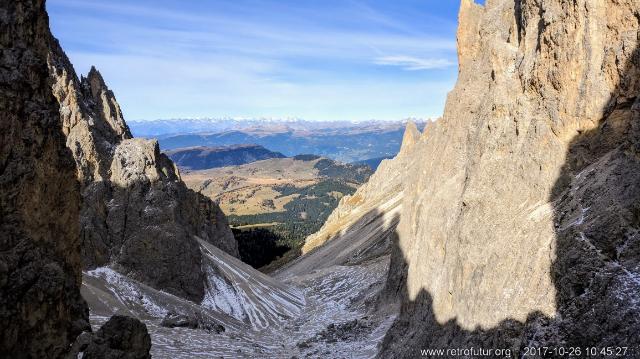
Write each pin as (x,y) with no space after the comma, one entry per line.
(277,203)
(512,223)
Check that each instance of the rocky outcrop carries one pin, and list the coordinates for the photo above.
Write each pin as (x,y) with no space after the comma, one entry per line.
(41,310)
(519,220)
(173,320)
(410,137)
(137,214)
(120,337)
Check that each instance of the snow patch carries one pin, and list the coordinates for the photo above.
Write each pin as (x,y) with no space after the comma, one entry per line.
(128,291)
(246,294)
(223,297)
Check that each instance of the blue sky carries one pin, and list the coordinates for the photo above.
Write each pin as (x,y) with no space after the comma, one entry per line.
(311,59)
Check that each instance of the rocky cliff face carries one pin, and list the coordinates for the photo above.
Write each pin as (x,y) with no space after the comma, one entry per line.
(137,214)
(91,118)
(519,221)
(41,310)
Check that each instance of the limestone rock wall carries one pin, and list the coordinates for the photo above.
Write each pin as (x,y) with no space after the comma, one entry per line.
(41,310)
(518,224)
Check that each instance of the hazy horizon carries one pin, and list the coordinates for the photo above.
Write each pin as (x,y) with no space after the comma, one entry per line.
(284,119)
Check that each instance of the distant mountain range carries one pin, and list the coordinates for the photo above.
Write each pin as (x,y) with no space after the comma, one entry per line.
(168,127)
(198,158)
(339,140)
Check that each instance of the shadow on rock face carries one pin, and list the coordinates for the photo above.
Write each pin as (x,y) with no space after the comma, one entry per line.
(120,337)
(597,219)
(41,310)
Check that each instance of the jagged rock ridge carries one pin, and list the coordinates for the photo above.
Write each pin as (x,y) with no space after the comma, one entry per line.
(137,214)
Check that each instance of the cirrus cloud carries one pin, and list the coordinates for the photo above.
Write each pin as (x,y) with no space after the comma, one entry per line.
(411,63)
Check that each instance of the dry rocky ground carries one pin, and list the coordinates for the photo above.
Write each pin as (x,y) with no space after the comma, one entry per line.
(243,190)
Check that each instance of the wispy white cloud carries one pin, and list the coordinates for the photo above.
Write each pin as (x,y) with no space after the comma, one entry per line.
(240,89)
(411,63)
(316,60)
